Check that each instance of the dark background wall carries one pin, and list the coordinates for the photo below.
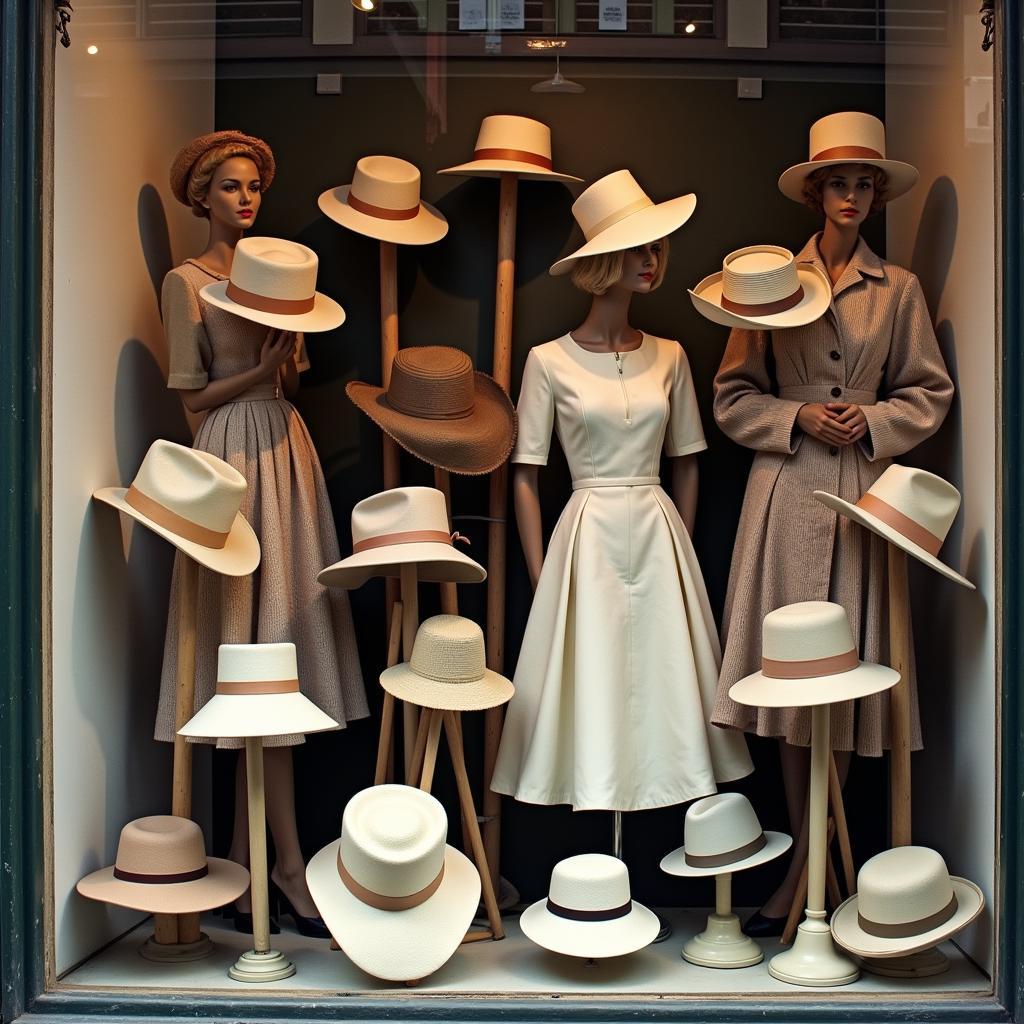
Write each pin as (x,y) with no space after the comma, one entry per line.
(677,135)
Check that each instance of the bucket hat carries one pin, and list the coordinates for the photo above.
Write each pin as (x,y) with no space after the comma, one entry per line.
(192,152)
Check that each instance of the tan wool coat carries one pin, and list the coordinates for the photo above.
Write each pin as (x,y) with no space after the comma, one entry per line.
(875,347)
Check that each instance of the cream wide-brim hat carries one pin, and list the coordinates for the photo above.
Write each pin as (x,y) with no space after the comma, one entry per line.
(902,176)
(496,168)
(777,844)
(590,939)
(435,563)
(403,682)
(236,716)
(325,315)
(429,224)
(762,691)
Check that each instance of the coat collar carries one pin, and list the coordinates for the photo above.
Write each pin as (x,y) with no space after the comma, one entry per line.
(863,263)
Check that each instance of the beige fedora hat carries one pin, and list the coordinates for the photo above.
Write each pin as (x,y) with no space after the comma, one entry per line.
(910,508)
(721,834)
(257,695)
(384,202)
(588,911)
(398,527)
(396,898)
(906,901)
(162,868)
(448,669)
(615,213)
(762,286)
(440,409)
(809,657)
(507,142)
(849,137)
(273,282)
(192,499)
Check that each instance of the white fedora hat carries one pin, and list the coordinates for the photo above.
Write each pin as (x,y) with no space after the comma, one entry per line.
(910,508)
(395,528)
(588,911)
(762,286)
(721,834)
(507,142)
(448,669)
(162,868)
(273,282)
(257,695)
(849,137)
(395,897)
(809,657)
(192,499)
(384,202)
(615,213)
(906,901)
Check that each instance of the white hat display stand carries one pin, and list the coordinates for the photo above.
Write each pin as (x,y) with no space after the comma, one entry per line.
(722,943)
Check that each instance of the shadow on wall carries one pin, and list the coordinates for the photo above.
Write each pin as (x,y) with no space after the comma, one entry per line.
(154,236)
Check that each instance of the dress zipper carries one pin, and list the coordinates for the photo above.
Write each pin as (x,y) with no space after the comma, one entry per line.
(622,384)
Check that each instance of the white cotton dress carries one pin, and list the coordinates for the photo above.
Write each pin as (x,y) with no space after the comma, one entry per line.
(617,673)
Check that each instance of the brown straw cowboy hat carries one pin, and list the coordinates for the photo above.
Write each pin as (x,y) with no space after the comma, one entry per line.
(191,153)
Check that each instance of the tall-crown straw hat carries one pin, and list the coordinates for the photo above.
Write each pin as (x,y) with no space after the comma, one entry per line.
(383,202)
(192,499)
(763,287)
(809,657)
(849,137)
(509,143)
(162,868)
(192,152)
(395,896)
(440,409)
(910,508)
(273,282)
(615,213)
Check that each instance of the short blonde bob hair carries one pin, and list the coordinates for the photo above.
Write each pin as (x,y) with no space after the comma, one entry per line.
(596,274)
(202,174)
(814,187)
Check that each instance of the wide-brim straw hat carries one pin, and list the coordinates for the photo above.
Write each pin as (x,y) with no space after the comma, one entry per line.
(438,408)
(396,898)
(588,911)
(402,526)
(448,669)
(906,901)
(849,137)
(809,657)
(763,287)
(162,868)
(910,508)
(383,202)
(273,282)
(192,152)
(507,143)
(615,213)
(192,499)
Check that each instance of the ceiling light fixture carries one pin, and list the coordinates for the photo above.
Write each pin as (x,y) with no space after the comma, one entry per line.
(690,28)
(365,5)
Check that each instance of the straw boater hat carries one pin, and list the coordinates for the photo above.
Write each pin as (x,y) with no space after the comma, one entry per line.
(192,499)
(909,508)
(399,527)
(588,911)
(441,410)
(848,138)
(809,657)
(191,153)
(162,868)
(906,901)
(273,282)
(762,286)
(448,669)
(721,835)
(615,213)
(257,695)
(384,202)
(395,897)
(508,143)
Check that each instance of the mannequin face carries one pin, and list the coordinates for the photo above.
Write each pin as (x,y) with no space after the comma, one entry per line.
(639,266)
(234,194)
(847,195)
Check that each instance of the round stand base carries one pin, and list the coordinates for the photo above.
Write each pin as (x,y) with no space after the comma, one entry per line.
(723,945)
(925,964)
(813,959)
(260,967)
(176,952)
(664,930)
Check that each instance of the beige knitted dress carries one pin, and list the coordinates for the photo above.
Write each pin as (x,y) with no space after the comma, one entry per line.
(264,438)
(875,347)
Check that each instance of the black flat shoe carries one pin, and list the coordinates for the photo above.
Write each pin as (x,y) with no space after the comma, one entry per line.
(759,926)
(311,927)
(243,922)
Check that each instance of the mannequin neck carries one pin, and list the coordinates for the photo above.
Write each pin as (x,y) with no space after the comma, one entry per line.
(220,247)
(606,328)
(836,247)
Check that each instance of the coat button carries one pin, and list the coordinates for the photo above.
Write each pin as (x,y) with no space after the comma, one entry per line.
(834,355)
(836,392)
(833,451)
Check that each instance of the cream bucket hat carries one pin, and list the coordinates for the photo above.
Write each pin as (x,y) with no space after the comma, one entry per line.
(192,499)
(809,657)
(910,508)
(396,898)
(273,282)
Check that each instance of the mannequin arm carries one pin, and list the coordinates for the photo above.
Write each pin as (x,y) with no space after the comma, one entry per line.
(526,496)
(684,489)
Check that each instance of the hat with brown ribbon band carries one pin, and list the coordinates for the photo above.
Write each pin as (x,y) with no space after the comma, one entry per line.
(192,499)
(395,896)
(910,508)
(809,657)
(849,137)
(162,868)
(906,901)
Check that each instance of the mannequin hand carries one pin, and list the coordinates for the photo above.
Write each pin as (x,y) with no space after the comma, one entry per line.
(851,416)
(277,348)
(816,420)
